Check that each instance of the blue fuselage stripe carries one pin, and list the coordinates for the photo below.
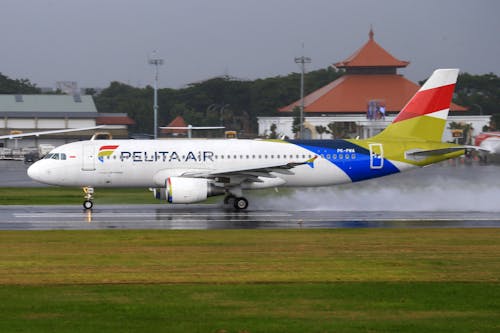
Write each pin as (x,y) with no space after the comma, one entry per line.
(354,160)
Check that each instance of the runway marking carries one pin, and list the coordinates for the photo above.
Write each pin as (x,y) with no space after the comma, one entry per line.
(215,217)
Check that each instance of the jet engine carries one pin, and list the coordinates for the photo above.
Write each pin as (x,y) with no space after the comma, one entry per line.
(187,190)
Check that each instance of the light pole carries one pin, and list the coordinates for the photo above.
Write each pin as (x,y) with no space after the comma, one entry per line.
(155,62)
(302,61)
(480,108)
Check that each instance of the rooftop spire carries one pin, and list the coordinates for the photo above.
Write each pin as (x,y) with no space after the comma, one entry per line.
(372,55)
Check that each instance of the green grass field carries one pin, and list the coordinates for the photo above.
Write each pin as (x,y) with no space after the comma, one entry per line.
(347,280)
(73,196)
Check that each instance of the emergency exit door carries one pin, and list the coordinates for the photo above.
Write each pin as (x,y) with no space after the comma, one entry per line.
(376,156)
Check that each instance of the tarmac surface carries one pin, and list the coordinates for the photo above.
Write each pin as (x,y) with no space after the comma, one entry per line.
(455,194)
(216,217)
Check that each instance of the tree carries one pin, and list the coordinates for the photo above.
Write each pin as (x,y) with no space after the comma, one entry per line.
(273,134)
(495,122)
(296,122)
(18,86)
(322,130)
(337,130)
(90,91)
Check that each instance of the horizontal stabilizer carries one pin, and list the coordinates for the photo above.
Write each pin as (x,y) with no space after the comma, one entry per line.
(418,154)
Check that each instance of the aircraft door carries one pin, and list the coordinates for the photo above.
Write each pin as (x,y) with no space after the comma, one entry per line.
(376,156)
(88,157)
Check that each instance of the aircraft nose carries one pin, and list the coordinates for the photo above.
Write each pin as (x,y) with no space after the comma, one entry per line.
(35,172)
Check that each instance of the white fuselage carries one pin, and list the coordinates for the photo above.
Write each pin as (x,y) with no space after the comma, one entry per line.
(148,163)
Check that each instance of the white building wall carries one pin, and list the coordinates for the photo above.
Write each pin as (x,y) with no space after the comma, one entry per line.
(76,123)
(17,123)
(51,123)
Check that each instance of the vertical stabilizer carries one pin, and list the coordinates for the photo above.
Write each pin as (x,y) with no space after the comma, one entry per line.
(424,116)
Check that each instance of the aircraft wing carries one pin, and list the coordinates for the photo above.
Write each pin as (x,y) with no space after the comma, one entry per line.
(21,135)
(239,175)
(191,127)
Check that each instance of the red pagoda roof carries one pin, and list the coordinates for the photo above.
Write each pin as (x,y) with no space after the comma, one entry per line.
(351,94)
(371,75)
(177,122)
(371,55)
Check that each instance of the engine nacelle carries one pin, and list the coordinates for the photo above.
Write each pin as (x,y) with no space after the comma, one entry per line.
(186,190)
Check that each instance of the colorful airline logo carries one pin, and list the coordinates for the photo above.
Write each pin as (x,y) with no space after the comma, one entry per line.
(106,151)
(310,161)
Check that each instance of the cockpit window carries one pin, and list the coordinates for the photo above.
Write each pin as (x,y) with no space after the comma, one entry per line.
(56,156)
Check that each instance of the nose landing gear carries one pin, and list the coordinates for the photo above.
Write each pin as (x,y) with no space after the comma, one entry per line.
(89,196)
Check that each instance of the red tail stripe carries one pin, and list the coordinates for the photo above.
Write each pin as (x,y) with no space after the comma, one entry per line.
(427,101)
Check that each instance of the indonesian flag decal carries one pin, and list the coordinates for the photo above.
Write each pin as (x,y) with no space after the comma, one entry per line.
(106,151)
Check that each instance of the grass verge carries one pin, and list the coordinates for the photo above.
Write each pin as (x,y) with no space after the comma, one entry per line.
(298,307)
(250,281)
(73,196)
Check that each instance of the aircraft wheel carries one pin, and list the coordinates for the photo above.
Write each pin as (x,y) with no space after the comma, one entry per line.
(87,204)
(240,203)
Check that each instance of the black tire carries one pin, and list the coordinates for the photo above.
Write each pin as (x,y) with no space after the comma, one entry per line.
(87,204)
(240,203)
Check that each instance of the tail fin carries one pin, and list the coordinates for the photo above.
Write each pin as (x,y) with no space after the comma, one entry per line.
(424,116)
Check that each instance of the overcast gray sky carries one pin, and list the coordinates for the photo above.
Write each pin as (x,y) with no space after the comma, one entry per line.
(95,42)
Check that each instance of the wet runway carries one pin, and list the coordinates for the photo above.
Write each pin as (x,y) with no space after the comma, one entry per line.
(216,217)
(441,196)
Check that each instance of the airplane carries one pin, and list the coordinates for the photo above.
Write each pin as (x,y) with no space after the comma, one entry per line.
(489,141)
(190,170)
(190,128)
(66,130)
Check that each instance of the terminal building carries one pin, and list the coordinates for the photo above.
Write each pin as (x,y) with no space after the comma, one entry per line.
(36,113)
(363,101)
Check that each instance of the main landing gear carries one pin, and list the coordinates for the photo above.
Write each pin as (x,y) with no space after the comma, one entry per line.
(89,196)
(239,203)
